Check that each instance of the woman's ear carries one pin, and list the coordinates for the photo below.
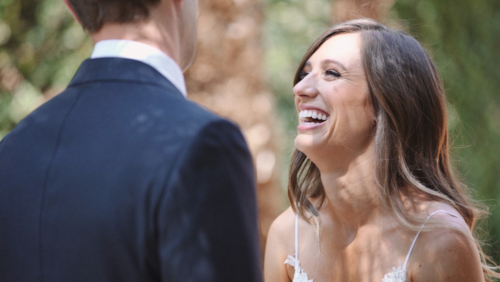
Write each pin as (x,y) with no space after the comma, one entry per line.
(72,11)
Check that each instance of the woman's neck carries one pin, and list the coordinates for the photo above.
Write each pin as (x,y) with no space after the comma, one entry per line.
(352,198)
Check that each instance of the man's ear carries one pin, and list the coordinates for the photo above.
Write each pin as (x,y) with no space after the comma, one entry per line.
(72,11)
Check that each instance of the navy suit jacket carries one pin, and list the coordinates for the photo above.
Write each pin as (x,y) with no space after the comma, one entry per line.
(120,178)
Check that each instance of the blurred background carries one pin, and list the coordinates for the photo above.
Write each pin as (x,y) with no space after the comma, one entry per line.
(248,52)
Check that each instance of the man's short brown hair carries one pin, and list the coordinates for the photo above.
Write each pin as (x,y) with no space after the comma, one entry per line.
(93,14)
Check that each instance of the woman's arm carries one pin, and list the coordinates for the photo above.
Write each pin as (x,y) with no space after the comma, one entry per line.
(279,245)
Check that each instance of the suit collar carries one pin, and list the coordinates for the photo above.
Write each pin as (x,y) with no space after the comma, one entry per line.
(116,69)
(152,56)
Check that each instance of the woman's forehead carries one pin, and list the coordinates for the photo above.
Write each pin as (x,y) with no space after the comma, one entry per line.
(343,48)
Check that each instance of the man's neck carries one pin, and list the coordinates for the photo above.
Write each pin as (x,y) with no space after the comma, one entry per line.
(147,32)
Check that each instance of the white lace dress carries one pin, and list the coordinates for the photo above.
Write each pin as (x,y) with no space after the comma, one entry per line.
(397,275)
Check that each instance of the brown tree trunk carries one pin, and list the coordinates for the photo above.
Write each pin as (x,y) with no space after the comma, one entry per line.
(228,78)
(343,10)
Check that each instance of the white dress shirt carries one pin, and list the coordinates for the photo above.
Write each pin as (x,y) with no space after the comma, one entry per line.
(147,54)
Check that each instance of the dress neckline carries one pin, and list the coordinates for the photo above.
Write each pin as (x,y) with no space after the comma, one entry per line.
(397,275)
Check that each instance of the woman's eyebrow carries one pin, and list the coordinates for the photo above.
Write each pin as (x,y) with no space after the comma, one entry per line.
(331,61)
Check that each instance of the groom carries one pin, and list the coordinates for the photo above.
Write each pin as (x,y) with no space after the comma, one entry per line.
(120,178)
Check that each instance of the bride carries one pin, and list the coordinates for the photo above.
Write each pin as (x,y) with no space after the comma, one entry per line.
(372,193)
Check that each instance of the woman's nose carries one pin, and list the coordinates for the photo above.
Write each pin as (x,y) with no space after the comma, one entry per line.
(306,87)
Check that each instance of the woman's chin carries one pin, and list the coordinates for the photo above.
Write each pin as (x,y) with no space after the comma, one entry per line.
(305,143)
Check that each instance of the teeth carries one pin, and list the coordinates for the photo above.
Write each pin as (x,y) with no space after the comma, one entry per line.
(312,114)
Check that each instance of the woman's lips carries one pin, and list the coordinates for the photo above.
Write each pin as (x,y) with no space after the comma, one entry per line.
(313,115)
(311,118)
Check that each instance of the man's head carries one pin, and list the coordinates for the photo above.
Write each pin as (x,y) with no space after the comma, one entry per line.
(93,14)
(169,25)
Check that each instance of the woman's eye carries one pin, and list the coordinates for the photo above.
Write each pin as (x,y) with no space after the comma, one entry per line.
(302,74)
(332,73)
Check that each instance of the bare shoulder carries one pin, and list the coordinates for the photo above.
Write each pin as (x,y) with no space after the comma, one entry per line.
(284,223)
(280,244)
(446,254)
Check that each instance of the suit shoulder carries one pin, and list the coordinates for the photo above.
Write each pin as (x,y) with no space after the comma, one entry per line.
(183,109)
(209,122)
(196,110)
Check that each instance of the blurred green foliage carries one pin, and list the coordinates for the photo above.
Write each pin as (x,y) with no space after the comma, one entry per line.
(41,47)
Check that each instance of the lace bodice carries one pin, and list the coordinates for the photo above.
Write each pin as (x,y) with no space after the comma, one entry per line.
(397,275)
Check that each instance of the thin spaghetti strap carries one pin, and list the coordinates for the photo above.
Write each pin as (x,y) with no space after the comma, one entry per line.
(299,274)
(297,235)
(420,230)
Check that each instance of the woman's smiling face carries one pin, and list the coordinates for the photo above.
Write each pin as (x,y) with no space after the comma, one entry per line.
(333,100)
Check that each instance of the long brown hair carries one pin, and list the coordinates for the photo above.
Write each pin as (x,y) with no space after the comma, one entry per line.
(411,133)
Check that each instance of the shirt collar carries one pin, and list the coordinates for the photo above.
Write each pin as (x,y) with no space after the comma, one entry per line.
(147,54)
